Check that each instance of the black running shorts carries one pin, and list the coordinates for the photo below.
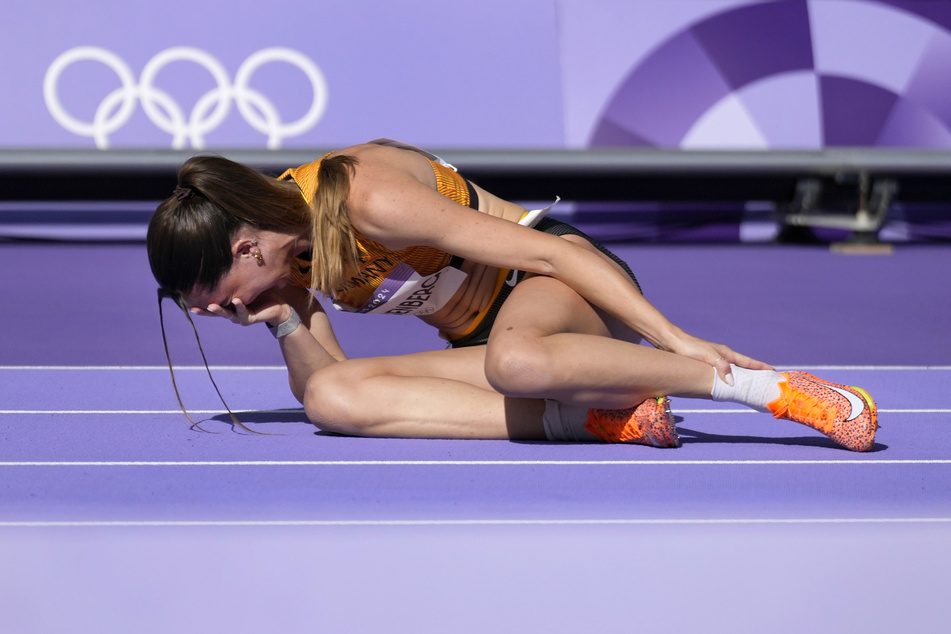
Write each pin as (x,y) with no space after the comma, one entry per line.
(480,335)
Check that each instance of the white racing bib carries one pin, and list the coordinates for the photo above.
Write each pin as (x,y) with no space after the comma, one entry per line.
(406,292)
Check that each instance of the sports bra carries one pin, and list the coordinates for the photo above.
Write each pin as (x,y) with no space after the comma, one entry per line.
(417,280)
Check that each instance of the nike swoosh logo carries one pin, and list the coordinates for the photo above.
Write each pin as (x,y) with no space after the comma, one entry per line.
(512,279)
(858,405)
(651,438)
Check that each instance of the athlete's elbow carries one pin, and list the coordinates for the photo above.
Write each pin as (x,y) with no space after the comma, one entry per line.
(542,266)
(297,390)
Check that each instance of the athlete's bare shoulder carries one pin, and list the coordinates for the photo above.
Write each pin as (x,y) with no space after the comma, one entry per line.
(376,161)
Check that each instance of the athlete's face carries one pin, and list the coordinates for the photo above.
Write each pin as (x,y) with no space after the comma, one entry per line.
(238,283)
(256,269)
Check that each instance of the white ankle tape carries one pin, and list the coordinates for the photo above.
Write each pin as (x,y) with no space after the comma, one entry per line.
(753,388)
(564,423)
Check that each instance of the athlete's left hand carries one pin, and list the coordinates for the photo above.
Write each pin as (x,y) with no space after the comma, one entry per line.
(717,355)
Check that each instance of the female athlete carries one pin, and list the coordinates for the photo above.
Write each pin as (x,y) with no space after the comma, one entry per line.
(544,324)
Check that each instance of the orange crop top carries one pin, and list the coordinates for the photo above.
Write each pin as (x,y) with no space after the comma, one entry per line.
(417,280)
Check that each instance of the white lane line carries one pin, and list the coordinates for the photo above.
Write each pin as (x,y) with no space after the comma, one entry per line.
(460,463)
(111,411)
(289,411)
(872,368)
(880,410)
(472,522)
(147,368)
(148,411)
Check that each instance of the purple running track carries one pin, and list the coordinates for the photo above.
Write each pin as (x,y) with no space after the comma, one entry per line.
(109,500)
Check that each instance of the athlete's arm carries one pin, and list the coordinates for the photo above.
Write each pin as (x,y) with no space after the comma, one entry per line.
(394,207)
(310,347)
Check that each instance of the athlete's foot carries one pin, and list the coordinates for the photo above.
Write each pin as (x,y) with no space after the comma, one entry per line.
(845,414)
(650,423)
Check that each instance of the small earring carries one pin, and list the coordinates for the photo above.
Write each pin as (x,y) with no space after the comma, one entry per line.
(256,253)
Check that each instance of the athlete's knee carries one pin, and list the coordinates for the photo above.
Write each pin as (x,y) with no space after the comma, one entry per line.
(329,398)
(518,366)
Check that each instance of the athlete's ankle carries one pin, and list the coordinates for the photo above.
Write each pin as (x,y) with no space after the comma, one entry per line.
(753,388)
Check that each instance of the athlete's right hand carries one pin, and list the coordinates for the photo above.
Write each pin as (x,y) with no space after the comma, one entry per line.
(269,307)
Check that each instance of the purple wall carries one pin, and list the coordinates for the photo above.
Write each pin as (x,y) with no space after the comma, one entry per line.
(477,73)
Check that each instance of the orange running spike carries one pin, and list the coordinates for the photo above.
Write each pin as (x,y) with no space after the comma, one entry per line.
(650,423)
(845,414)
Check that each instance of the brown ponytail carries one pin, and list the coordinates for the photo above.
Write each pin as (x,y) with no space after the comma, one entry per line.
(334,241)
(189,236)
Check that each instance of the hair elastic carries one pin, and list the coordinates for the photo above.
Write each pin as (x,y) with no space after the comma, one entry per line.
(181,193)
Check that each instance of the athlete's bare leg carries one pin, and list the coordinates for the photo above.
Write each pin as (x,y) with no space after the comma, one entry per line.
(548,342)
(437,394)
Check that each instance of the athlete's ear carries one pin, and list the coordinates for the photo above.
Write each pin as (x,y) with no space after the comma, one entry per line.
(242,244)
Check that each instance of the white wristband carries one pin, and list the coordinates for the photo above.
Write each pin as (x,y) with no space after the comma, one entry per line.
(285,328)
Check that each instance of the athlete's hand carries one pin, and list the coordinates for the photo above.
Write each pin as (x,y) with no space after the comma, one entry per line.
(269,306)
(716,355)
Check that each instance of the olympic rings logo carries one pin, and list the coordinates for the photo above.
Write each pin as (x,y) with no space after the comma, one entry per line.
(210,110)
